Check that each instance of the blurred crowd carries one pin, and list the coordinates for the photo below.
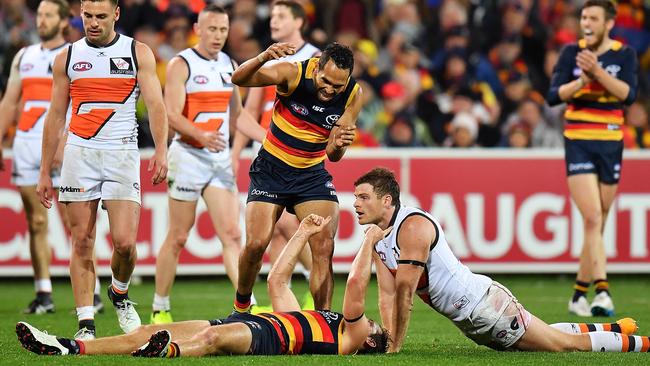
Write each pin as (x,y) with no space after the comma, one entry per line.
(451,73)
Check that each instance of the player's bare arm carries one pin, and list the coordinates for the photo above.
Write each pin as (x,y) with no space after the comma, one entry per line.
(282,298)
(252,109)
(152,94)
(54,124)
(10,101)
(343,132)
(415,237)
(175,93)
(354,300)
(386,284)
(254,72)
(242,121)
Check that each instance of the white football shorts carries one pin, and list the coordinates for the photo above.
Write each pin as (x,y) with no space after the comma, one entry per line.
(27,163)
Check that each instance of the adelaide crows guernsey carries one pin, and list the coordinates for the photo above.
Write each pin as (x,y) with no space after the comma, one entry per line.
(301,123)
(308,332)
(593,113)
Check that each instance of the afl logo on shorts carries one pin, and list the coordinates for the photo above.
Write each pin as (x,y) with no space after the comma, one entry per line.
(300,109)
(201,79)
(82,66)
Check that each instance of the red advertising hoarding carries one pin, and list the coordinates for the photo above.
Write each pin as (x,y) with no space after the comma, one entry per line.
(502,211)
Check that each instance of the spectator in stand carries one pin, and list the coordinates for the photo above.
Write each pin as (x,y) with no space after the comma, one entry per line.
(541,134)
(464,131)
(138,13)
(519,135)
(17,29)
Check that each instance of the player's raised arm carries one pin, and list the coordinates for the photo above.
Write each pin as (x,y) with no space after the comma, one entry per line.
(415,237)
(282,298)
(54,124)
(354,300)
(254,73)
(386,284)
(152,94)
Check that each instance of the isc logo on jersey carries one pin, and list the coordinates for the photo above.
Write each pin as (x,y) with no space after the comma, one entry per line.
(121,66)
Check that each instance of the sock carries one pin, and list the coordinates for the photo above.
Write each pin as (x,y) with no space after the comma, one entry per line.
(119,288)
(44,297)
(85,313)
(43,285)
(173,351)
(160,303)
(579,328)
(581,289)
(306,273)
(253,299)
(242,303)
(601,286)
(97,286)
(74,347)
(614,342)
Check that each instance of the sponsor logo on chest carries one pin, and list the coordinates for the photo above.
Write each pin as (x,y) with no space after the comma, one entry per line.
(121,66)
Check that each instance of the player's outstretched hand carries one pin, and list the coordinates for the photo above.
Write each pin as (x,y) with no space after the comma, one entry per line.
(158,165)
(277,51)
(313,224)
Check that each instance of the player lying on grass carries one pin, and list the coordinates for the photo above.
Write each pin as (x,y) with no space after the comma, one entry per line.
(415,258)
(287,330)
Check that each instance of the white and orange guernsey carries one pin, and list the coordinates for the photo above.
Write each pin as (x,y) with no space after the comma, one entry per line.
(104,91)
(208,91)
(35,70)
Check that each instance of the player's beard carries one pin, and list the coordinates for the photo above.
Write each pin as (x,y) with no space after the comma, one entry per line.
(48,34)
(600,37)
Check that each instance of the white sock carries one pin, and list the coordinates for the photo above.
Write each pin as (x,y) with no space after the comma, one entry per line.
(43,285)
(85,312)
(307,274)
(97,286)
(161,303)
(253,299)
(120,286)
(615,342)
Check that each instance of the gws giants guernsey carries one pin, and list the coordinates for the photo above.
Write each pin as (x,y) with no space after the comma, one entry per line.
(208,91)
(35,70)
(104,91)
(446,284)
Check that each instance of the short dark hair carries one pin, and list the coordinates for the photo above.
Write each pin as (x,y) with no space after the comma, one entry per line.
(64,8)
(379,341)
(296,10)
(113,2)
(383,182)
(608,6)
(214,8)
(339,54)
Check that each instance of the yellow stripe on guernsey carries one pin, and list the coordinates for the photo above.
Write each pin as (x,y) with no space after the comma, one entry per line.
(570,115)
(340,337)
(290,331)
(302,134)
(353,94)
(602,135)
(294,83)
(595,96)
(316,331)
(294,161)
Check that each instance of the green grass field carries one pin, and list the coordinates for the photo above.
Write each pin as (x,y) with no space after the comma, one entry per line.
(431,340)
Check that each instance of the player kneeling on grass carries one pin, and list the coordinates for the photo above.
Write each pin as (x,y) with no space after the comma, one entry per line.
(415,258)
(287,330)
